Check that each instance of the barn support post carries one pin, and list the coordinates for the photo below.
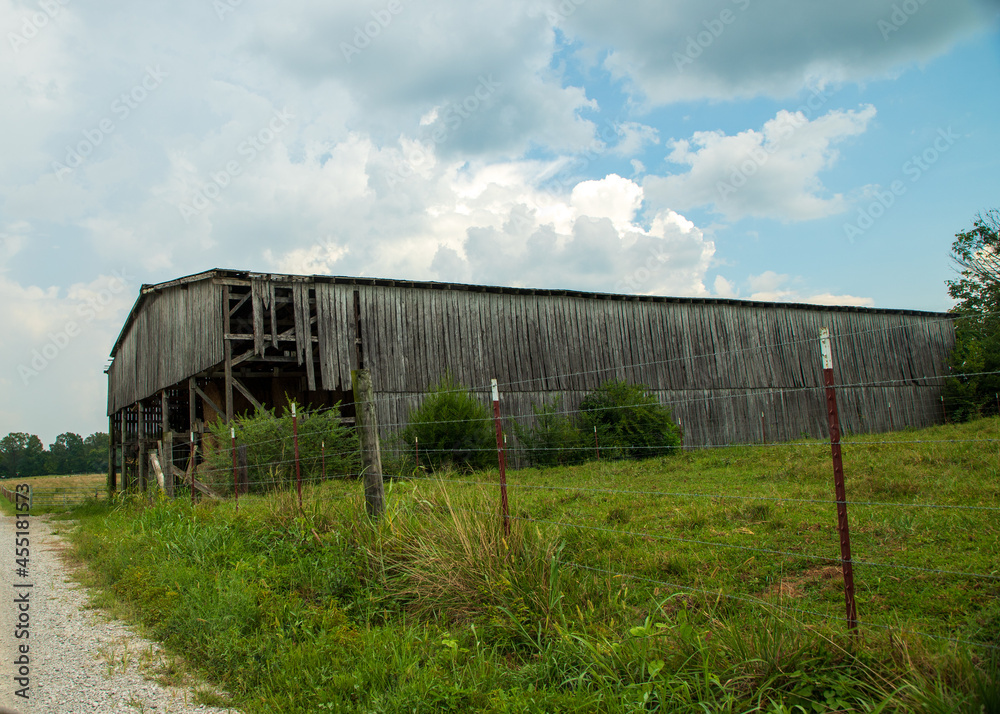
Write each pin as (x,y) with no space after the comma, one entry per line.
(838,479)
(164,413)
(228,354)
(371,457)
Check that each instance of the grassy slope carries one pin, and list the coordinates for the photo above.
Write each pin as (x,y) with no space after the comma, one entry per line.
(598,598)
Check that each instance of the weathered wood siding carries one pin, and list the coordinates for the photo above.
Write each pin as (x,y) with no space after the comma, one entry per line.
(719,365)
(176,333)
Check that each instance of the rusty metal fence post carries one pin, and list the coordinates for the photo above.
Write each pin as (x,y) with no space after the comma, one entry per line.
(295,439)
(504,508)
(191,465)
(838,480)
(236,482)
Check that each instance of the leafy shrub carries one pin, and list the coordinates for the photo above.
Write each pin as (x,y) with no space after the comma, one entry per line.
(453,427)
(630,421)
(554,439)
(271,451)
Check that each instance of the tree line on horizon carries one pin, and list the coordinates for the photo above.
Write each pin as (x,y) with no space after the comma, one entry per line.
(23,455)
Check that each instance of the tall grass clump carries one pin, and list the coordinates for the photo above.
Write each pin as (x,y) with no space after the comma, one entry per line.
(267,436)
(447,559)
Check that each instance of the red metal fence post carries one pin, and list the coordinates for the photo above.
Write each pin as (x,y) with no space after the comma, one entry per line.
(295,438)
(191,465)
(504,509)
(236,485)
(838,481)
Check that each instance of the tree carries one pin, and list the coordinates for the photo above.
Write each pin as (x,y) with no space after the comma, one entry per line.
(268,436)
(453,426)
(67,455)
(96,449)
(630,421)
(21,455)
(975,361)
(555,438)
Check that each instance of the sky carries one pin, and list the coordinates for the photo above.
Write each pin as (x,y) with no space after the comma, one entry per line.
(756,149)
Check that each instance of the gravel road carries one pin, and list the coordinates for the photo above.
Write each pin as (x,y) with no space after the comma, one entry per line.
(81,660)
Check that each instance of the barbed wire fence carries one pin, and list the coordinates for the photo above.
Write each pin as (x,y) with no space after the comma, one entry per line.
(518,501)
(312,470)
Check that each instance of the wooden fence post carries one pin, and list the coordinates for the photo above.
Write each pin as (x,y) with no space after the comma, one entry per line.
(371,457)
(838,481)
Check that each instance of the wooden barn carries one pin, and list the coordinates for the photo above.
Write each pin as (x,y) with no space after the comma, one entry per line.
(218,343)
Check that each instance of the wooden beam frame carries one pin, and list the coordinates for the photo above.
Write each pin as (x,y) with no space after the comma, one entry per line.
(246,393)
(208,400)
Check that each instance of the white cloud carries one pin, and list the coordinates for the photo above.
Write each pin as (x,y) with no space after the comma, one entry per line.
(772,173)
(830,299)
(690,50)
(393,164)
(613,197)
(635,137)
(55,351)
(724,288)
(770,286)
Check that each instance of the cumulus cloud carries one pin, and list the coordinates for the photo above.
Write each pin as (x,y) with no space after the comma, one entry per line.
(694,50)
(771,286)
(56,347)
(590,242)
(418,148)
(772,173)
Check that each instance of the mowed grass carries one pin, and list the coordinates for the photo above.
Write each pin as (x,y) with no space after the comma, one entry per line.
(55,493)
(705,581)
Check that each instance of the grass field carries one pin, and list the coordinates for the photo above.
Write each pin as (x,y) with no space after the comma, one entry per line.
(706,581)
(54,493)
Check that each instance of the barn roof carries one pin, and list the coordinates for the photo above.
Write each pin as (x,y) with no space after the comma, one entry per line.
(242,275)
